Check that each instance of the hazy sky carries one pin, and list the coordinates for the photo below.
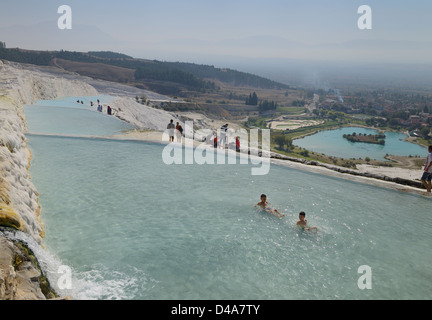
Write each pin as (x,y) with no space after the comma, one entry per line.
(195,29)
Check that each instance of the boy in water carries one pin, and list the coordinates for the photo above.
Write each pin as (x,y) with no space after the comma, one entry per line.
(264,205)
(302,223)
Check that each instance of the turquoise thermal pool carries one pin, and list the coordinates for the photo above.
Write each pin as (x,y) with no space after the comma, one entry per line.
(131,227)
(68,117)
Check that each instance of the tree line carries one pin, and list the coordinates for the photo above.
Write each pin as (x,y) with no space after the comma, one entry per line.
(263,106)
(16,55)
(160,72)
(252,100)
(267,106)
(371,138)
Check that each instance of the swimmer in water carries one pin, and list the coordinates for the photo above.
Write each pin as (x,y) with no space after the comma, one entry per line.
(302,223)
(264,205)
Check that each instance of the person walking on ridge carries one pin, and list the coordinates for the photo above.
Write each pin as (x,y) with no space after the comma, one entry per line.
(171,128)
(179,132)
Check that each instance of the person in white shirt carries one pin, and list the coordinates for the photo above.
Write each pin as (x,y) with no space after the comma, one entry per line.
(223,134)
(427,174)
(171,128)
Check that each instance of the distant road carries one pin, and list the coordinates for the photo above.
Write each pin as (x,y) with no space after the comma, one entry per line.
(56,64)
(312,106)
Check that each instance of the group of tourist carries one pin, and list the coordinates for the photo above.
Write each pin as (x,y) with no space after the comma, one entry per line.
(99,107)
(302,223)
(220,141)
(109,109)
(223,143)
(175,130)
(212,138)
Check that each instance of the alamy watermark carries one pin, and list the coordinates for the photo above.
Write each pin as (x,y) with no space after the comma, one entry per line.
(64,282)
(365,20)
(65,20)
(249,146)
(365,280)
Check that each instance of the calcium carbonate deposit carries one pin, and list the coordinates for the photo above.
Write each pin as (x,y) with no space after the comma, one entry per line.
(22,85)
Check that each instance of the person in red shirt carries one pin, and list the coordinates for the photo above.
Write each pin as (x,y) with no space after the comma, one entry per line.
(238,144)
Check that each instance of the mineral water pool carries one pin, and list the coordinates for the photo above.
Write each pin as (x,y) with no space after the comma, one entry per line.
(68,117)
(131,227)
(332,143)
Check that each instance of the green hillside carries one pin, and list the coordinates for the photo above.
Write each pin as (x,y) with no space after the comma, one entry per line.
(191,76)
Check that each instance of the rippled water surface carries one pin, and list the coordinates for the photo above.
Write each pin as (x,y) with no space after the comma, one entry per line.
(132,227)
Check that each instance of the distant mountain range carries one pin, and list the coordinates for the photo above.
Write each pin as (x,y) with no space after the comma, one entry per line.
(365,47)
(329,62)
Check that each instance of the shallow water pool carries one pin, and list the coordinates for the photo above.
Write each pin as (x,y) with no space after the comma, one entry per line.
(132,227)
(66,116)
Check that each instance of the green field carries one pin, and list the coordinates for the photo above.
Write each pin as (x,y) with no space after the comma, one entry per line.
(290,110)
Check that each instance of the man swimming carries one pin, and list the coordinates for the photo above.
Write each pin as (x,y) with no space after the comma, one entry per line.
(264,205)
(302,223)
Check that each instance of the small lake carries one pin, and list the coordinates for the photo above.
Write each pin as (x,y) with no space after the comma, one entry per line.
(332,143)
